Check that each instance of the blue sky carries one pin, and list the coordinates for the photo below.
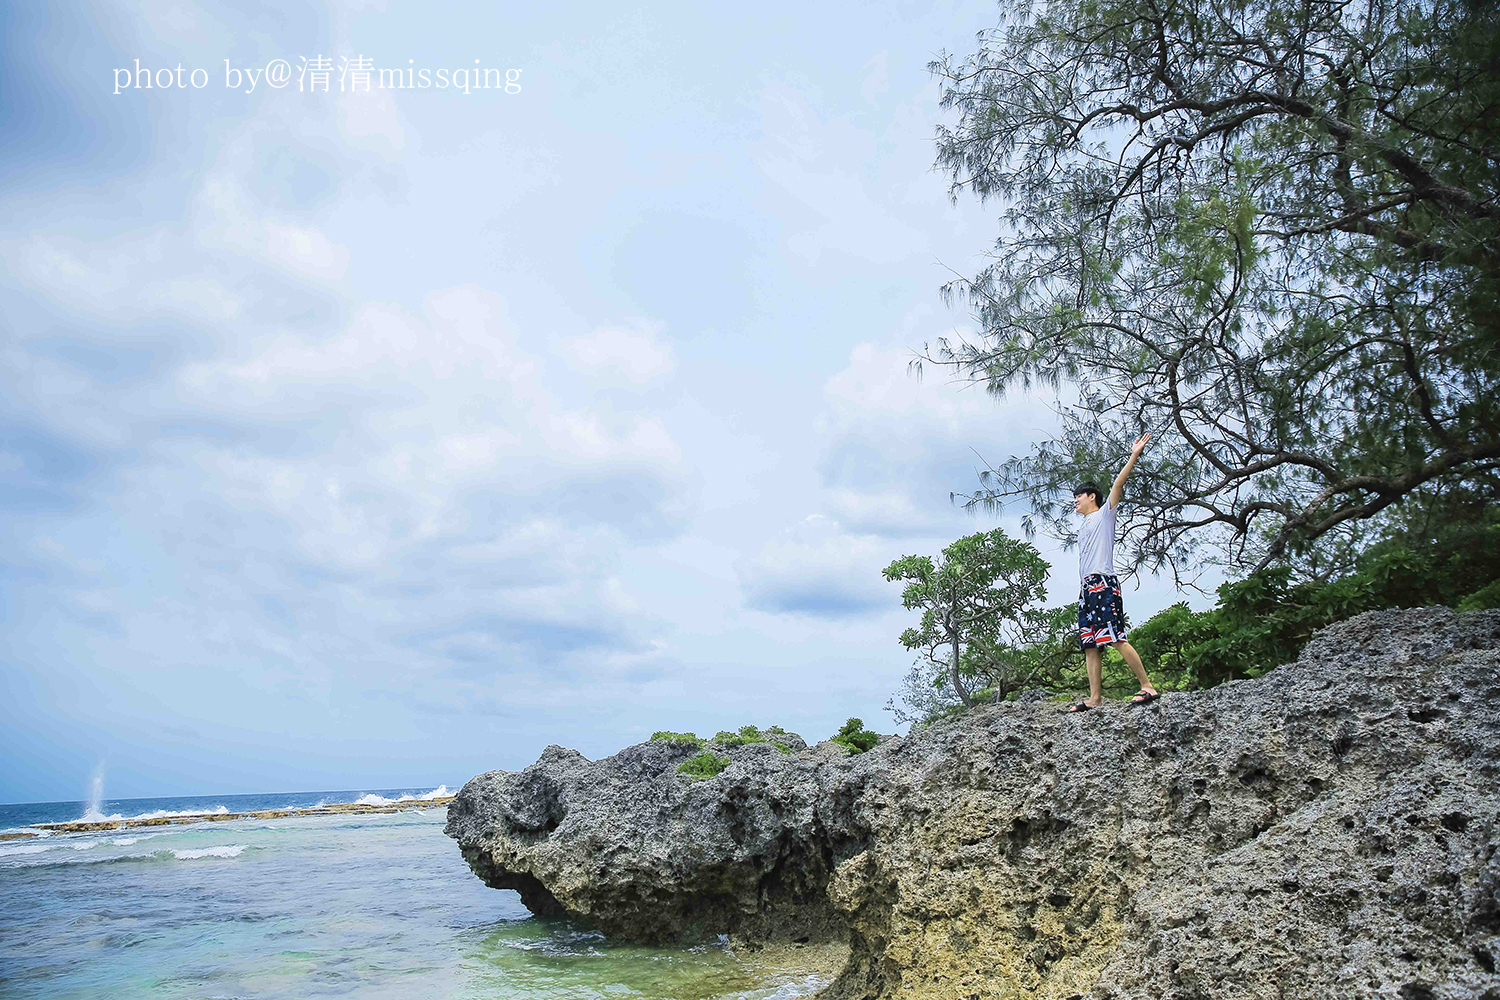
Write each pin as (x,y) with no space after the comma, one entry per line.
(377,439)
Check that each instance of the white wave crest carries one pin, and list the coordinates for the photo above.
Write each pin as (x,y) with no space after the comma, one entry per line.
(371,799)
(374,800)
(232,851)
(95,816)
(170,813)
(6,852)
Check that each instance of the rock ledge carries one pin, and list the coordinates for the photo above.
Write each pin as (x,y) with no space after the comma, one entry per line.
(1328,830)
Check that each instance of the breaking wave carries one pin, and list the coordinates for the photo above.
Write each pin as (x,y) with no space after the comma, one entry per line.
(95,816)
(231,851)
(440,792)
(6,852)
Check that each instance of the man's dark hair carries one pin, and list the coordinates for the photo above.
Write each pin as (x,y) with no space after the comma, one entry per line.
(1090,487)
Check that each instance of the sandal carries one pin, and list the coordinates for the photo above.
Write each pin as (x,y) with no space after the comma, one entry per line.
(1082,706)
(1144,697)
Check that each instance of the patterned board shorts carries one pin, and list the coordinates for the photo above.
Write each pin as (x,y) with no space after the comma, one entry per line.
(1101,612)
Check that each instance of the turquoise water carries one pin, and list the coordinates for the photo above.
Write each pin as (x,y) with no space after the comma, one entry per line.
(363,906)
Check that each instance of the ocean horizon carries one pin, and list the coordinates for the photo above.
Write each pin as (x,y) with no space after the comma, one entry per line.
(350,904)
(19,816)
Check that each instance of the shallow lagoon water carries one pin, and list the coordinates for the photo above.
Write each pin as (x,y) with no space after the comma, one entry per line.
(366,906)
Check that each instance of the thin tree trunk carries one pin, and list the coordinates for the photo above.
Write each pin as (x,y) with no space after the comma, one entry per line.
(958,686)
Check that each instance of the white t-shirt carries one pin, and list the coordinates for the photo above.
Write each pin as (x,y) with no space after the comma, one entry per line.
(1096,542)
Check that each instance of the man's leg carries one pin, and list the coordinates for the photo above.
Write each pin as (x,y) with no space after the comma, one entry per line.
(1094,659)
(1133,660)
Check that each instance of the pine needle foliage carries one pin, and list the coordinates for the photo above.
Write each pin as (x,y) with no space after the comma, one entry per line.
(1268,231)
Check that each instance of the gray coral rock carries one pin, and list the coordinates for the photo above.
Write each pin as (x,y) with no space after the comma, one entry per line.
(1326,831)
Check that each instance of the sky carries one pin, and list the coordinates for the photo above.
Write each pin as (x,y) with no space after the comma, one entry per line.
(380,438)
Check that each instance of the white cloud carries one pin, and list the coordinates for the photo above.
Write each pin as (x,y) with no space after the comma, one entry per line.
(227,219)
(119,278)
(410,487)
(817,568)
(891,449)
(410,427)
(633,354)
(895,446)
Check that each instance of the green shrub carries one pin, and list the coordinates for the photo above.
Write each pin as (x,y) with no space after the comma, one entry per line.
(703,765)
(1265,619)
(1437,550)
(1482,599)
(682,739)
(855,736)
(724,738)
(750,734)
(746,734)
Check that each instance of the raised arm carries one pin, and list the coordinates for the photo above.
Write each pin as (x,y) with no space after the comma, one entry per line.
(1118,488)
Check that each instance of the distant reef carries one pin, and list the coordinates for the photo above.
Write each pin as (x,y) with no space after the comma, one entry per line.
(333,809)
(1328,830)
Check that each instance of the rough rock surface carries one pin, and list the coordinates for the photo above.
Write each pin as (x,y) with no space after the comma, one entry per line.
(1326,831)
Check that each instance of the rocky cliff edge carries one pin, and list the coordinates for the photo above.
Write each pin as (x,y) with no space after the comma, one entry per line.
(1327,830)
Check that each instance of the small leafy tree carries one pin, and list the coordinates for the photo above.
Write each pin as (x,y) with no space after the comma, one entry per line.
(1047,656)
(855,736)
(980,596)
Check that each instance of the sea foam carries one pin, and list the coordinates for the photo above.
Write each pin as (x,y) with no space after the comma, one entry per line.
(232,851)
(168,813)
(371,799)
(95,816)
(374,800)
(6,852)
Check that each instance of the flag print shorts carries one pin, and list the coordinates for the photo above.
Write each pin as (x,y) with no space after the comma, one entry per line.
(1101,612)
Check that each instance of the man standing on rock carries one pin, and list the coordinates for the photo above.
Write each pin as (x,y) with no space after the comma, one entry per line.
(1101,611)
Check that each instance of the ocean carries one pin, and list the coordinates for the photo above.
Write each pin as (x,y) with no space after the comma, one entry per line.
(367,906)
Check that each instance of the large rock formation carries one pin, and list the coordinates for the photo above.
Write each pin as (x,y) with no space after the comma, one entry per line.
(1326,831)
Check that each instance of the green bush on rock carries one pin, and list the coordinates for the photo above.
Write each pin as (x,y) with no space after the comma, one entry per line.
(855,736)
(749,734)
(683,739)
(1482,599)
(744,736)
(703,765)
